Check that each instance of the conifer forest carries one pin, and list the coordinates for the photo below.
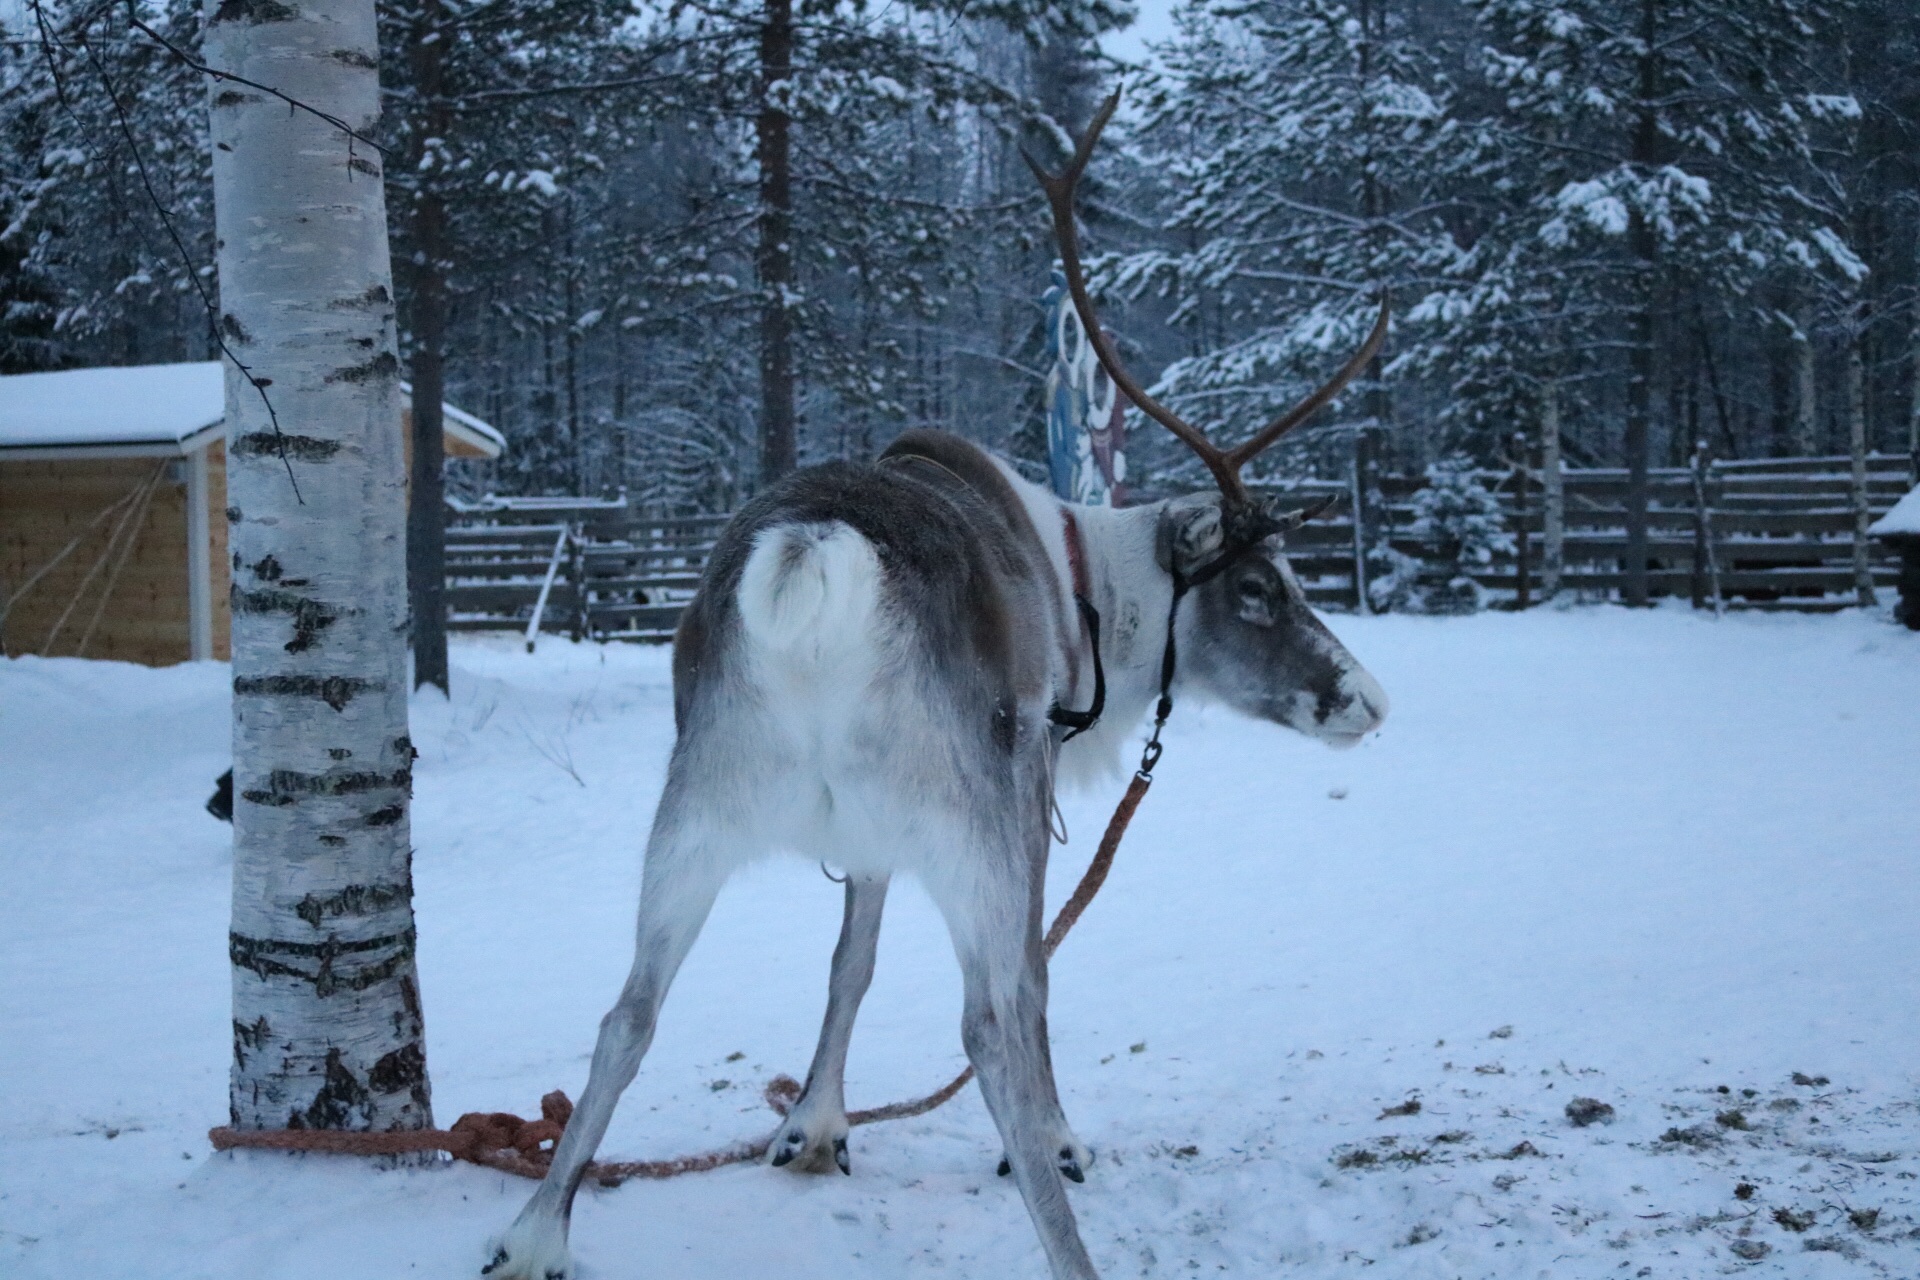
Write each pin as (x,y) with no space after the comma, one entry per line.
(675,249)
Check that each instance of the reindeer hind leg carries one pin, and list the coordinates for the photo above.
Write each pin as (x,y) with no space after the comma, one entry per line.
(684,871)
(993,911)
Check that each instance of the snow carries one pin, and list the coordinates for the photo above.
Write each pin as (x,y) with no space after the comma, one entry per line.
(1670,854)
(135,404)
(1904,518)
(152,404)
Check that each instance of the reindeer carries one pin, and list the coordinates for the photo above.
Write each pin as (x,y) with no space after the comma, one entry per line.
(880,670)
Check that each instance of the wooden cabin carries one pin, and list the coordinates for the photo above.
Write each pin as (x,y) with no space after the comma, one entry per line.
(113,539)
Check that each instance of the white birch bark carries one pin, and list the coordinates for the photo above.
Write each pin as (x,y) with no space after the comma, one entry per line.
(1857,447)
(1807,412)
(1553,515)
(326,1011)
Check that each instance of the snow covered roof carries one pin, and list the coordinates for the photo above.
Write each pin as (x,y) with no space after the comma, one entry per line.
(149,409)
(1904,518)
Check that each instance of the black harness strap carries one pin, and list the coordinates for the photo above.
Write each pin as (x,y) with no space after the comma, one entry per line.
(1078,722)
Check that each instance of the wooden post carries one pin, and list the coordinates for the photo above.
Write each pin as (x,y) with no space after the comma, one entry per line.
(1553,515)
(1522,590)
(1697,580)
(1361,605)
(1857,445)
(577,578)
(199,560)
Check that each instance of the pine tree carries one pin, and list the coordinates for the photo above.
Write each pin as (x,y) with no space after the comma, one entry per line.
(1308,144)
(1645,144)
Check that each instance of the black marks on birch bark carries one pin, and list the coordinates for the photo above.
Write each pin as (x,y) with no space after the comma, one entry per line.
(339,753)
(233,517)
(354,900)
(310,617)
(355,58)
(335,691)
(289,786)
(360,164)
(254,11)
(386,817)
(267,568)
(264,957)
(249,1038)
(267,444)
(404,1068)
(375,296)
(384,365)
(230,323)
(340,1097)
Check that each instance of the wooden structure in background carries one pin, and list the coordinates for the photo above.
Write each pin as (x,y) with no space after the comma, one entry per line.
(1762,534)
(113,534)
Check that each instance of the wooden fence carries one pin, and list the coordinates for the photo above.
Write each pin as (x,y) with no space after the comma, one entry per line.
(1762,534)
(584,567)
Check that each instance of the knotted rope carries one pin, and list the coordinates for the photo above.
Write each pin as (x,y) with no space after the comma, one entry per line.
(504,1141)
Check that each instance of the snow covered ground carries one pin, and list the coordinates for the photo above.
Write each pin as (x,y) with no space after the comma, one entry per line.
(1654,860)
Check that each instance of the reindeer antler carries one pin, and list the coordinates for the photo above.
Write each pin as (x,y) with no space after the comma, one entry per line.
(1225,464)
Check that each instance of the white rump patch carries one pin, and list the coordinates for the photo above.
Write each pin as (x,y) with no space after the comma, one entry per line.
(810,591)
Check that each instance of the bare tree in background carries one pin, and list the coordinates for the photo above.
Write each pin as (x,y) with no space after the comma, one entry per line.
(326,1011)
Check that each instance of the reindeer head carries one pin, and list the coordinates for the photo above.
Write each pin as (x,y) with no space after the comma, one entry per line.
(1251,638)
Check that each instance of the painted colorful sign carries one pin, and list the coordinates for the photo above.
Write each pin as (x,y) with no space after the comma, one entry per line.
(1086,416)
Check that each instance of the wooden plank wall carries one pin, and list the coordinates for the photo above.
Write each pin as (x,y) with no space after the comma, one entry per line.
(46,505)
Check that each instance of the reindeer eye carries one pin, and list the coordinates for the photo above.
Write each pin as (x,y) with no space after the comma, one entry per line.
(1252,591)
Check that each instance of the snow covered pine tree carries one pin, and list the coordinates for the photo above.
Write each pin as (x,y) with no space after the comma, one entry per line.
(326,1012)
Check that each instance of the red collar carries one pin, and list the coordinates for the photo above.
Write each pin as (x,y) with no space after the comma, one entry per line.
(1076,558)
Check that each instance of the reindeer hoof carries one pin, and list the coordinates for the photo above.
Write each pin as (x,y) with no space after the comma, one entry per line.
(806,1152)
(526,1254)
(1069,1162)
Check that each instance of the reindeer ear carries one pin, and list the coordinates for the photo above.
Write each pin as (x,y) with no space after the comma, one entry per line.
(1190,532)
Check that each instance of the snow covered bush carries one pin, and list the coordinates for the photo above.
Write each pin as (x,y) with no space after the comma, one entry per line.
(1461,522)
(1460,528)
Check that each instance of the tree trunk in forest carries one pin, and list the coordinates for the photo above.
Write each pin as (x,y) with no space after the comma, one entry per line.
(1362,471)
(1806,417)
(1857,446)
(1553,485)
(327,1028)
(775,258)
(426,516)
(1913,411)
(1643,247)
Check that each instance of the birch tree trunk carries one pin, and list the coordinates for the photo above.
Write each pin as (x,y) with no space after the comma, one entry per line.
(1857,446)
(1553,484)
(327,1030)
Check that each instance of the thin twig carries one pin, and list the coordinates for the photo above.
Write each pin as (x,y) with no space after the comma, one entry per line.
(180,245)
(205,70)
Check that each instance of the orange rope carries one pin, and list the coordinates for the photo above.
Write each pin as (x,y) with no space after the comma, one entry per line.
(501,1140)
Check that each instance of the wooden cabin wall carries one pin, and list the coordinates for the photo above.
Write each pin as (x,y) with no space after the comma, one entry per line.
(142,609)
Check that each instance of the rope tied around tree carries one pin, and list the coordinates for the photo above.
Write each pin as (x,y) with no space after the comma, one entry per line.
(504,1141)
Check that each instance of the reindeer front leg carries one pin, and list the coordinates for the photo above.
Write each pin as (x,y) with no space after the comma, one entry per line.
(813,1137)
